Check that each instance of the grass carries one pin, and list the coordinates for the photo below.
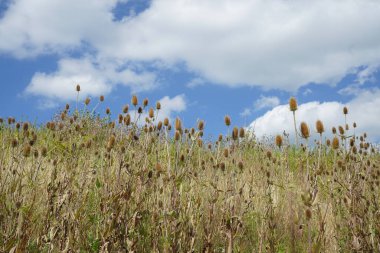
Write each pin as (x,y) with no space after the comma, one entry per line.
(88,184)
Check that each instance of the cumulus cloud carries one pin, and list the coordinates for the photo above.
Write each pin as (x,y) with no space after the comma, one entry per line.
(273,44)
(267,102)
(95,79)
(364,109)
(169,107)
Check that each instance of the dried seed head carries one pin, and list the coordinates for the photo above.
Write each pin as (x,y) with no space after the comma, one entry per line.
(225,152)
(178,124)
(158,106)
(78,88)
(328,142)
(120,117)
(26,150)
(201,125)
(44,151)
(127,119)
(220,138)
(145,102)
(166,122)
(319,126)
(159,125)
(345,110)
(134,100)
(335,143)
(334,130)
(308,214)
(269,154)
(14,143)
(177,135)
(354,125)
(140,110)
(279,141)
(227,120)
(341,130)
(347,127)
(108,111)
(151,113)
(305,130)
(241,132)
(25,126)
(67,107)
(1,121)
(240,165)
(293,104)
(111,142)
(235,133)
(200,143)
(101,98)
(87,101)
(35,153)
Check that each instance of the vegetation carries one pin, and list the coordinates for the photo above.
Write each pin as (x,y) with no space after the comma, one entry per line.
(88,184)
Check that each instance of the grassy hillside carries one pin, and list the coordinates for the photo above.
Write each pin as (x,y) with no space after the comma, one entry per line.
(88,184)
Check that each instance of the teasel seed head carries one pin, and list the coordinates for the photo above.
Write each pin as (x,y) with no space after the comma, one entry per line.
(125,108)
(347,127)
(178,124)
(145,102)
(319,126)
(151,113)
(279,141)
(108,111)
(78,88)
(235,133)
(227,120)
(1,121)
(177,135)
(293,104)
(14,143)
(328,142)
(201,125)
(305,130)
(334,130)
(200,143)
(158,106)
(44,151)
(159,125)
(354,125)
(87,101)
(241,132)
(140,110)
(36,153)
(341,130)
(345,110)
(134,100)
(308,214)
(25,126)
(26,150)
(120,117)
(220,138)
(225,152)
(335,143)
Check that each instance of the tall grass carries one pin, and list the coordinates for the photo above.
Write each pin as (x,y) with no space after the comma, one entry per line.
(88,184)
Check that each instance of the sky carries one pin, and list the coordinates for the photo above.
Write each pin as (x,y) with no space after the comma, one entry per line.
(202,59)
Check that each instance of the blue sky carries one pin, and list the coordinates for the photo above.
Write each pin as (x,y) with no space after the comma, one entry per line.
(202,59)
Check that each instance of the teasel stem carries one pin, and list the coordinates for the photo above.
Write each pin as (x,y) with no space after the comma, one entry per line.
(295,128)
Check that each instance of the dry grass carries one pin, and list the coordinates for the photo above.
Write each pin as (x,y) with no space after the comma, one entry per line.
(85,184)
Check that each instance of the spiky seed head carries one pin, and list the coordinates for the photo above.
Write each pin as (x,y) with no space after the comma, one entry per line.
(279,141)
(108,111)
(120,117)
(347,127)
(26,150)
(335,143)
(177,135)
(140,110)
(354,125)
(220,138)
(227,120)
(14,143)
(36,153)
(134,100)
(345,110)
(341,130)
(269,154)
(308,214)
(67,107)
(235,133)
(240,165)
(145,102)
(200,143)
(101,98)
(25,126)
(334,130)
(293,104)
(158,106)
(87,101)
(328,142)
(178,124)
(225,152)
(44,151)
(159,125)
(169,127)
(125,108)
(127,119)
(241,132)
(78,88)
(166,122)
(305,130)
(319,126)
(151,113)
(201,125)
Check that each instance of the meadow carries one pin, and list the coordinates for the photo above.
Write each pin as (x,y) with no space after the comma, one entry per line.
(85,183)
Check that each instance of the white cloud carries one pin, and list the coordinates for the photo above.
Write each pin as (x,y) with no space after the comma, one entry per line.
(246,112)
(364,109)
(273,44)
(266,102)
(195,83)
(169,107)
(95,79)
